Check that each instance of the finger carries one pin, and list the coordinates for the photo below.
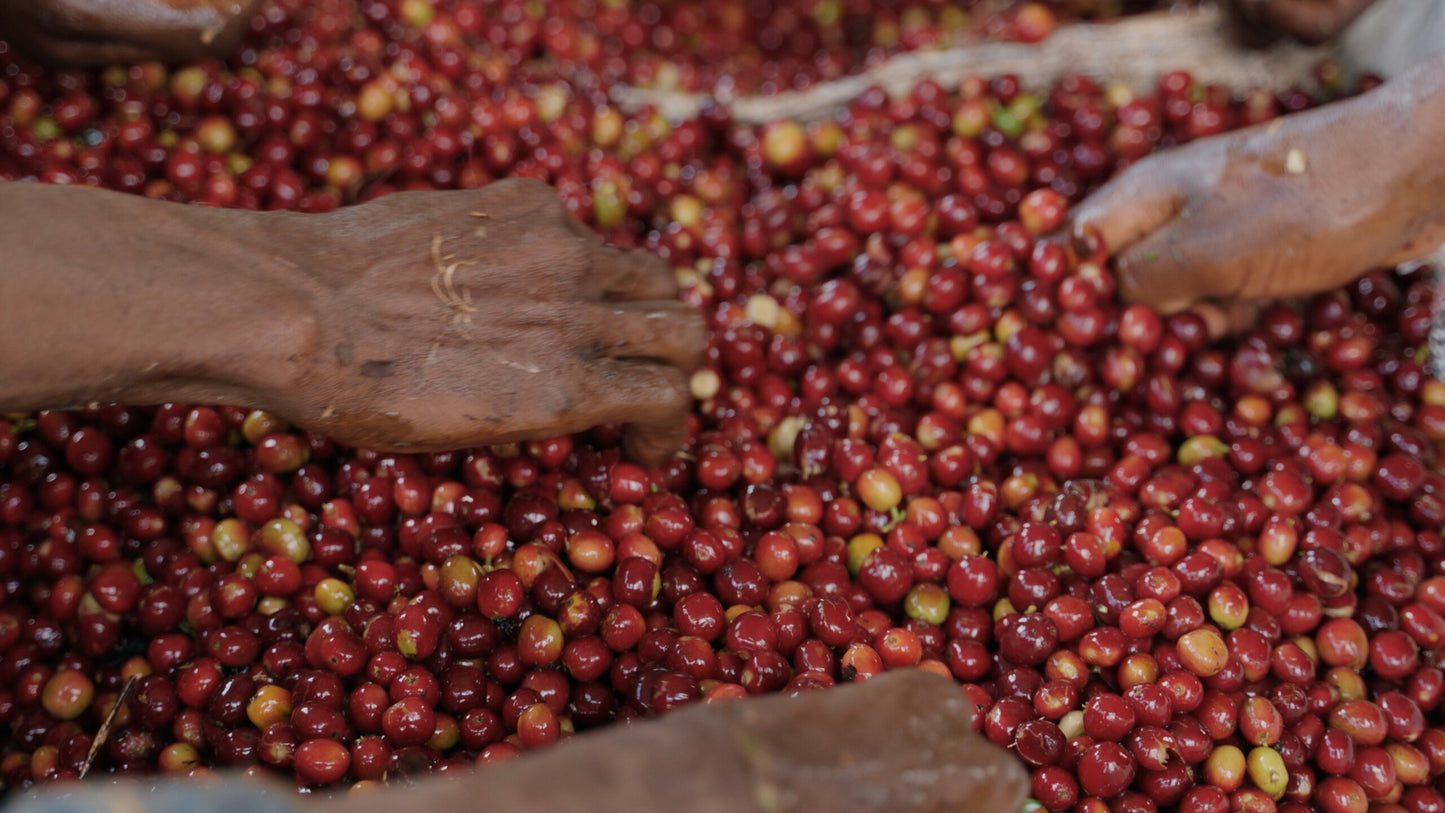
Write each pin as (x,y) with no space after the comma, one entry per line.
(650,399)
(1241,315)
(655,444)
(1173,268)
(1215,316)
(77,53)
(669,332)
(629,275)
(1128,208)
(581,229)
(167,29)
(1313,21)
(1228,317)
(1247,23)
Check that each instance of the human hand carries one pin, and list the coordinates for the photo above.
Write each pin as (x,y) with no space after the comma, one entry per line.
(1291,208)
(444,320)
(95,32)
(1309,21)
(902,741)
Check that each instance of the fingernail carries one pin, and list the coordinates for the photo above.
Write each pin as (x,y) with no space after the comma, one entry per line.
(1088,241)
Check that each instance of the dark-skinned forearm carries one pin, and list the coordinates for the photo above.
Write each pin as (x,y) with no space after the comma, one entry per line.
(111,297)
(1411,107)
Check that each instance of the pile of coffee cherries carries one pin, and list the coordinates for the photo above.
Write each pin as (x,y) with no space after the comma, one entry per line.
(1171,574)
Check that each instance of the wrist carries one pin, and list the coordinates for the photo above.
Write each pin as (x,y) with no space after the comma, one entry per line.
(1412,108)
(248,319)
(158,302)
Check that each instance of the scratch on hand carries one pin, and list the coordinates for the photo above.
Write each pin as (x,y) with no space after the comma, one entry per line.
(445,287)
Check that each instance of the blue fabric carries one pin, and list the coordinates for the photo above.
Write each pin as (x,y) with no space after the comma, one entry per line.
(229,795)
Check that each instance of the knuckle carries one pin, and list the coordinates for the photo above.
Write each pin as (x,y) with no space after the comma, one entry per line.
(530,187)
(674,396)
(526,199)
(661,391)
(659,268)
(581,269)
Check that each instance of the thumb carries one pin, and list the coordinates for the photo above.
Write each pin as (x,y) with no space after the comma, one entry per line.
(1129,208)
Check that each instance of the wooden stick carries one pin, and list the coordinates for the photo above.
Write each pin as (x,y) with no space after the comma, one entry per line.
(1135,50)
(104,732)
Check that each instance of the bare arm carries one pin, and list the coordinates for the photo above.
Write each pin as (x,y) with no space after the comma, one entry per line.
(109,297)
(417,321)
(98,32)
